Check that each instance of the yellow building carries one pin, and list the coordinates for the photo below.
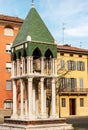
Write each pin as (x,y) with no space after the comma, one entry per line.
(72,65)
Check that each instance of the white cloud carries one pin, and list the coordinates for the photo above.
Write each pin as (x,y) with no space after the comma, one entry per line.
(81,31)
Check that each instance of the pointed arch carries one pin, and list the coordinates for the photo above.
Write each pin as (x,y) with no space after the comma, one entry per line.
(48,54)
(24,53)
(37,53)
(14,57)
(19,55)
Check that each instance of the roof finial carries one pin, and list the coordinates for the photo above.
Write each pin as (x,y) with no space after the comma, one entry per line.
(32,3)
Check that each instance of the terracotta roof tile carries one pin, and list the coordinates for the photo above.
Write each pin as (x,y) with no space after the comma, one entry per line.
(69,48)
(11,18)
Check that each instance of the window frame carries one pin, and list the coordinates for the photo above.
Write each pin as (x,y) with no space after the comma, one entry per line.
(8,31)
(63,102)
(10,86)
(81,102)
(80,66)
(8,66)
(71,65)
(8,104)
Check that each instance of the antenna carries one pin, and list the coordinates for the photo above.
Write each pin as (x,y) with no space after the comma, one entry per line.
(63,28)
(80,44)
(32,3)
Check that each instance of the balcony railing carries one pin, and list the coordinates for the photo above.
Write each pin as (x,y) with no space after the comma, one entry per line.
(73,90)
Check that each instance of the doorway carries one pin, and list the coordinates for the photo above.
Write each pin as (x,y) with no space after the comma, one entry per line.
(72,106)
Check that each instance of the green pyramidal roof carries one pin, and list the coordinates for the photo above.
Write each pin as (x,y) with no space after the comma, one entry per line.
(34,27)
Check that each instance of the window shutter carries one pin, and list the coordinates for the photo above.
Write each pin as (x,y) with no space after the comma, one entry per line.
(81,83)
(78,65)
(62,64)
(69,65)
(74,65)
(83,66)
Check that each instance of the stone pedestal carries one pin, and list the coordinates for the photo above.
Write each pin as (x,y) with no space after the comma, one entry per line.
(47,124)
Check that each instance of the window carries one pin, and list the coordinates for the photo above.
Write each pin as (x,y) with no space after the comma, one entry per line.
(8,104)
(8,66)
(62,64)
(72,83)
(80,55)
(8,85)
(81,102)
(8,31)
(71,54)
(71,65)
(62,83)
(81,83)
(62,54)
(63,102)
(80,65)
(8,48)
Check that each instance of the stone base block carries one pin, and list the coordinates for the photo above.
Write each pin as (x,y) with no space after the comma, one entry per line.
(45,124)
(36,127)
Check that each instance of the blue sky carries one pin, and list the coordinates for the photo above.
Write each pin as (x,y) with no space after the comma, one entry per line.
(73,13)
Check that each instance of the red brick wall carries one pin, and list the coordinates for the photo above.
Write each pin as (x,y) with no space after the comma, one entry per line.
(5,57)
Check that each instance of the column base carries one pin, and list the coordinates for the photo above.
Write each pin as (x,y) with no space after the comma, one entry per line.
(21,117)
(54,116)
(14,116)
(43,116)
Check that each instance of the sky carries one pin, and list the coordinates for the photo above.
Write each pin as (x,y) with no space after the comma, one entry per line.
(67,20)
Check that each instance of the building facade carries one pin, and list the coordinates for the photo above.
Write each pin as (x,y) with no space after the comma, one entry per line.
(73,80)
(9,27)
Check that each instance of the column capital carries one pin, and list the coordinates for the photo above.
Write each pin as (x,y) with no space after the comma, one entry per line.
(42,79)
(30,79)
(28,57)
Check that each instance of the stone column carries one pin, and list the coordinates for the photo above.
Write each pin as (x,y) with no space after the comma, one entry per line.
(18,67)
(42,65)
(53,66)
(31,67)
(26,105)
(34,107)
(45,102)
(14,114)
(53,99)
(26,110)
(47,69)
(13,69)
(42,99)
(28,65)
(30,98)
(36,101)
(22,65)
(21,88)
(55,62)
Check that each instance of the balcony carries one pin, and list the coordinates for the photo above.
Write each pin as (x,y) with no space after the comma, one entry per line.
(73,91)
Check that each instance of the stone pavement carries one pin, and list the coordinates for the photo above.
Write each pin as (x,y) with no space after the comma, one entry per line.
(79,122)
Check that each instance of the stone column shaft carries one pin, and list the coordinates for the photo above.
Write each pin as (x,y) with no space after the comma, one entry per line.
(55,62)
(26,101)
(53,98)
(28,65)
(21,87)
(18,67)
(53,67)
(14,115)
(42,99)
(31,65)
(13,69)
(42,65)
(34,107)
(30,100)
